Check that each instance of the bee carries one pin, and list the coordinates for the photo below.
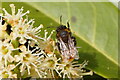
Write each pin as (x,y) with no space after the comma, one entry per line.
(66,42)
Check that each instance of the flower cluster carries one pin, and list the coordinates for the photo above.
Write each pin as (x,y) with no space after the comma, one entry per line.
(24,53)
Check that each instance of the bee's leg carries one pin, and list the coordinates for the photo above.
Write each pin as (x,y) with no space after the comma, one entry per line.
(58,46)
(74,40)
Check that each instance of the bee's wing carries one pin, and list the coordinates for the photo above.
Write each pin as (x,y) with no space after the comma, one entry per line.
(72,48)
(68,50)
(64,49)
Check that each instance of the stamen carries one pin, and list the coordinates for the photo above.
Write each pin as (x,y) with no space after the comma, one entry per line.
(28,68)
(87,73)
(38,28)
(12,9)
(45,38)
(25,13)
(7,15)
(38,73)
(30,21)
(50,34)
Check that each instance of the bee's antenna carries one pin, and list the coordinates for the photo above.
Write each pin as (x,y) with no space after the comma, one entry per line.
(68,24)
(61,19)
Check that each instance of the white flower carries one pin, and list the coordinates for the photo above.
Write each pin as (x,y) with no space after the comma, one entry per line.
(14,18)
(5,52)
(26,59)
(48,65)
(72,70)
(6,72)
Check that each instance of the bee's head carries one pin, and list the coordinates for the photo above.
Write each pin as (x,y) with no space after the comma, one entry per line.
(62,31)
(60,28)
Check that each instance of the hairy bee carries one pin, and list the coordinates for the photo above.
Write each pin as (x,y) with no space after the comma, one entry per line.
(66,42)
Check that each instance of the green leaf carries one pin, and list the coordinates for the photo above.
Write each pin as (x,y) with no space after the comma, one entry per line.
(95,25)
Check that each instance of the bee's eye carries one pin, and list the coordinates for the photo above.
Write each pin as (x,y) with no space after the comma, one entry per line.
(63,33)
